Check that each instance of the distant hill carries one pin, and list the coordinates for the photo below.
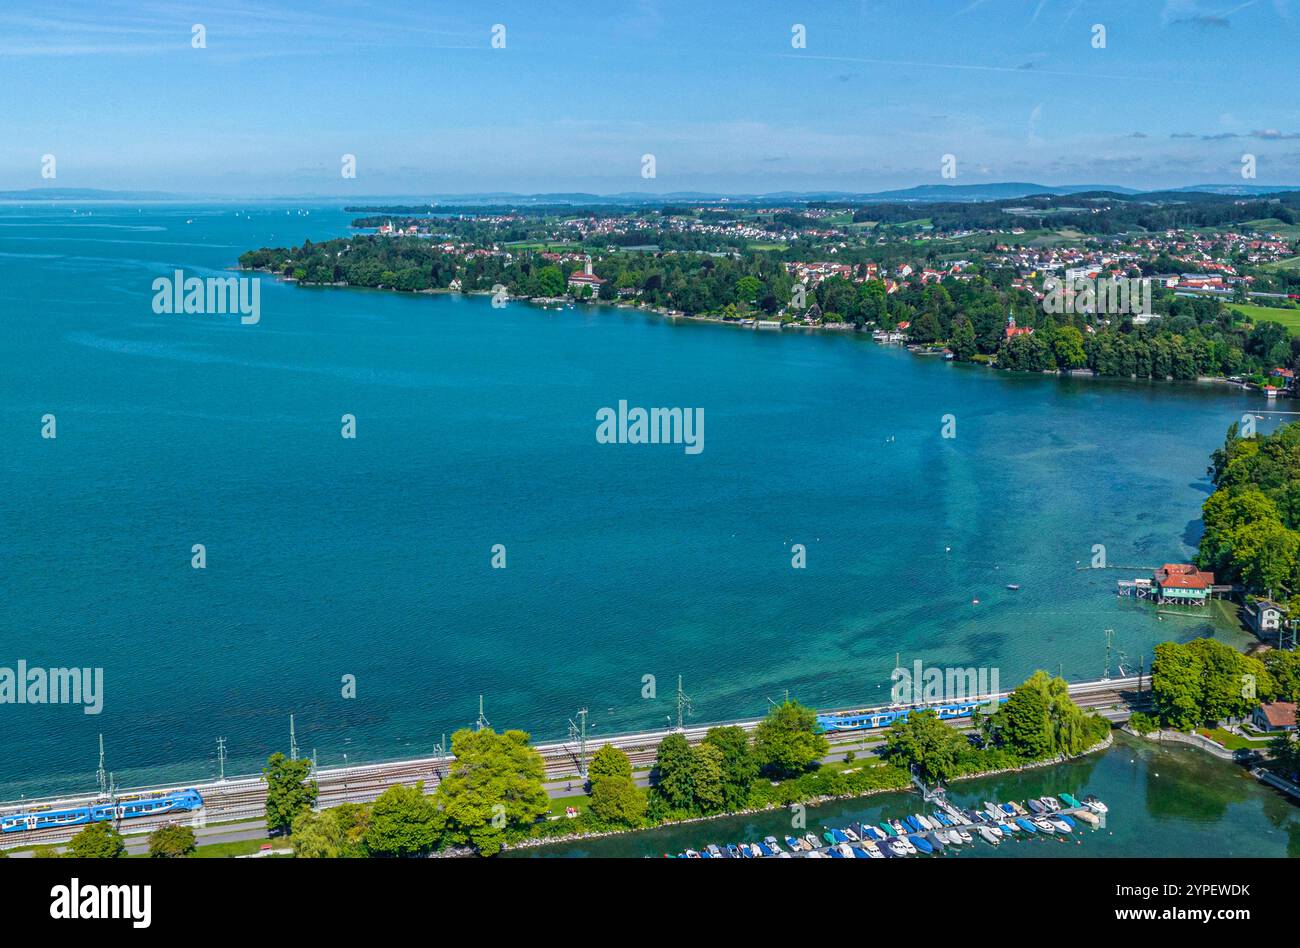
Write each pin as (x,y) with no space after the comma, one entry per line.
(84,194)
(921,194)
(1251,190)
(988,192)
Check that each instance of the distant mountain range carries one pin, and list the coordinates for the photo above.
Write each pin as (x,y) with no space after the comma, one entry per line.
(85,194)
(925,193)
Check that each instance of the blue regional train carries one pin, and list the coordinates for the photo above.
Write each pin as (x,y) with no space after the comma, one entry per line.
(102,812)
(883,717)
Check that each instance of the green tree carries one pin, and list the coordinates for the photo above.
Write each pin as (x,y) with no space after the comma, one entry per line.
(1067,347)
(674,773)
(288,791)
(550,281)
(1176,687)
(171,841)
(787,741)
(403,822)
(1264,554)
(1284,668)
(618,800)
(609,761)
(1025,725)
(97,841)
(962,343)
(922,742)
(710,796)
(1143,723)
(747,289)
(335,833)
(739,767)
(1232,684)
(494,786)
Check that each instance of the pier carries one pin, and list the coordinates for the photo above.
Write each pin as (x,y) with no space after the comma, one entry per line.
(948,827)
(1177,584)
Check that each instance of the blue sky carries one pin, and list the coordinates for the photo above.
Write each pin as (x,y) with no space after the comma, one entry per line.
(712,88)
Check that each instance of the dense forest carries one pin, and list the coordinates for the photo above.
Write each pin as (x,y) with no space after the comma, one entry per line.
(1252,520)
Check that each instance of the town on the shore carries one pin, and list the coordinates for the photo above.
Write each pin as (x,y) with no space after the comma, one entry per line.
(1170,285)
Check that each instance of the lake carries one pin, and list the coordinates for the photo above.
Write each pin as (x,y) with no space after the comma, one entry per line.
(371,557)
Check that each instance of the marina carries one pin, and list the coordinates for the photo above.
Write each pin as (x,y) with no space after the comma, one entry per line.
(1166,797)
(947,827)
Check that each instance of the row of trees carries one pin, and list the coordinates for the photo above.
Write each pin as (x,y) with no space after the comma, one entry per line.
(1038,721)
(1204,682)
(493,788)
(1252,520)
(692,282)
(720,773)
(103,841)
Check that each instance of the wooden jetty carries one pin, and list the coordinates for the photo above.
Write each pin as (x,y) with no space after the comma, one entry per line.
(1177,584)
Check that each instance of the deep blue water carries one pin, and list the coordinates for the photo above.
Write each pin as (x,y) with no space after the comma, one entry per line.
(476,426)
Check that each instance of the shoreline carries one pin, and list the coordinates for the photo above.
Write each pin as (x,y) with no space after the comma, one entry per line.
(849,329)
(1104,744)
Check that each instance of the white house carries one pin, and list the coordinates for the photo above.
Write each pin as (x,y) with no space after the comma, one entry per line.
(1265,616)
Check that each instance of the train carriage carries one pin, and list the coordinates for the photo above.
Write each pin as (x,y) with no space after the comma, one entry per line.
(181,800)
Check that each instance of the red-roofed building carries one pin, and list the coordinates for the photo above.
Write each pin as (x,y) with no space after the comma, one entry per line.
(577,280)
(1013,330)
(1276,716)
(1182,583)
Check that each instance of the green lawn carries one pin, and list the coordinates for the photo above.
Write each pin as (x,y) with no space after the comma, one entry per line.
(1290,318)
(243,847)
(581,803)
(1233,741)
(1272,225)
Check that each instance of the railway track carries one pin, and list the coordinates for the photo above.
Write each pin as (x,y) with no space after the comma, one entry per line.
(245,797)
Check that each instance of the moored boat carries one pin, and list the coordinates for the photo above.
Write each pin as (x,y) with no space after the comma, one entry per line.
(921,843)
(1026,825)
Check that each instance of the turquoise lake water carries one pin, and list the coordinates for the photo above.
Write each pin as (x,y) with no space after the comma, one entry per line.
(476,426)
